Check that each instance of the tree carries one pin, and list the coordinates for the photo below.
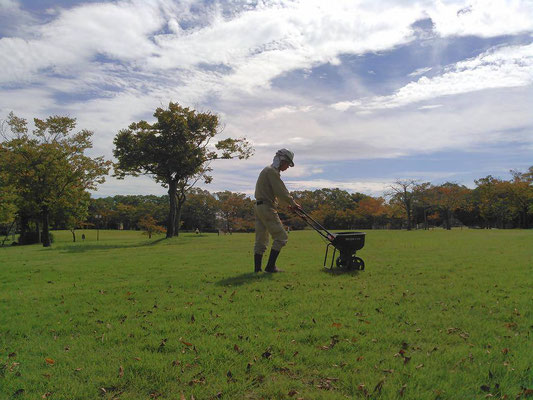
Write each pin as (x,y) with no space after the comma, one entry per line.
(448,198)
(424,199)
(200,210)
(402,192)
(372,210)
(149,225)
(494,201)
(176,151)
(236,211)
(49,165)
(8,195)
(521,191)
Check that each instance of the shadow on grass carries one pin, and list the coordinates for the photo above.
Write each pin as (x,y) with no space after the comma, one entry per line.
(243,278)
(81,248)
(341,271)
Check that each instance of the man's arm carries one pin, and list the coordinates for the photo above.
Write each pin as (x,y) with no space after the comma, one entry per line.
(280,190)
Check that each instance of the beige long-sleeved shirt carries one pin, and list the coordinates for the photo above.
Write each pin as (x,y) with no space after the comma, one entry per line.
(270,187)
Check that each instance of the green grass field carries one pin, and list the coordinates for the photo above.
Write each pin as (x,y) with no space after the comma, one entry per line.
(435,315)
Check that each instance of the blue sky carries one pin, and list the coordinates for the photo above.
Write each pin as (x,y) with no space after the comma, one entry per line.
(364,92)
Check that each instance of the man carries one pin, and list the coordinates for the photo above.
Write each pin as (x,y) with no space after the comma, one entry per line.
(268,190)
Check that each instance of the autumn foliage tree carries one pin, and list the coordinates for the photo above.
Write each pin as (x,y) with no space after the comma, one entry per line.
(448,198)
(149,226)
(176,151)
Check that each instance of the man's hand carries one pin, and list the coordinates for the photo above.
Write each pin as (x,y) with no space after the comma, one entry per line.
(295,208)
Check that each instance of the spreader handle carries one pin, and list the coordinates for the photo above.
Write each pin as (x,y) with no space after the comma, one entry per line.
(315,225)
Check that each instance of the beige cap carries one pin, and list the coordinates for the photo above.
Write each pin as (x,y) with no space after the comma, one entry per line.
(287,155)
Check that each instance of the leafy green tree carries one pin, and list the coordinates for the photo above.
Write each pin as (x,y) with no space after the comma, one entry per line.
(521,193)
(176,151)
(200,210)
(8,195)
(494,201)
(49,165)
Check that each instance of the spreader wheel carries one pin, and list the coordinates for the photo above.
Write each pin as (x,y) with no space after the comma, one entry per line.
(352,263)
(358,263)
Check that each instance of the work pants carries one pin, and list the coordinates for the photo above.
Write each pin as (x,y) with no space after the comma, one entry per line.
(267,222)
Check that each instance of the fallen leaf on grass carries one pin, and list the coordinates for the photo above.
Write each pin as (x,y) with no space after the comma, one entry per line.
(360,358)
(402,390)
(182,397)
(49,361)
(362,388)
(505,351)
(11,355)
(18,392)
(292,393)
(46,395)
(336,325)
(266,354)
(485,388)
(121,371)
(184,342)
(236,348)
(419,366)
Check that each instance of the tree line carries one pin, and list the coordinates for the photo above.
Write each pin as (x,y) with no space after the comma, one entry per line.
(407,204)
(45,179)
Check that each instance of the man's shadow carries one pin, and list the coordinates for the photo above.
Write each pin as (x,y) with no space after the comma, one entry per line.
(244,278)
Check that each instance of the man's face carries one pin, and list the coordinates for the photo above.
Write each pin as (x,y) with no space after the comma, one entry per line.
(284,165)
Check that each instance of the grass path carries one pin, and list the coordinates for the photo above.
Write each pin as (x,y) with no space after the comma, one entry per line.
(435,314)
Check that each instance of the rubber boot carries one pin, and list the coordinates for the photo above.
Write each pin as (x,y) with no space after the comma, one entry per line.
(271,265)
(258,259)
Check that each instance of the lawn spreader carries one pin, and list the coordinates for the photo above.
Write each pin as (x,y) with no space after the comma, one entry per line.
(347,243)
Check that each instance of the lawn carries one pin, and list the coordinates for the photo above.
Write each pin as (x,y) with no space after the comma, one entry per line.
(435,315)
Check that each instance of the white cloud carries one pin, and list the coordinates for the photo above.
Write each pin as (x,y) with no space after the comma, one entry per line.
(482,17)
(430,107)
(510,66)
(420,71)
(367,187)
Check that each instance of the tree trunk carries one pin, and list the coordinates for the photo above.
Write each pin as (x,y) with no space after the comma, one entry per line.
(181,199)
(178,217)
(408,218)
(46,231)
(73,235)
(448,222)
(171,223)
